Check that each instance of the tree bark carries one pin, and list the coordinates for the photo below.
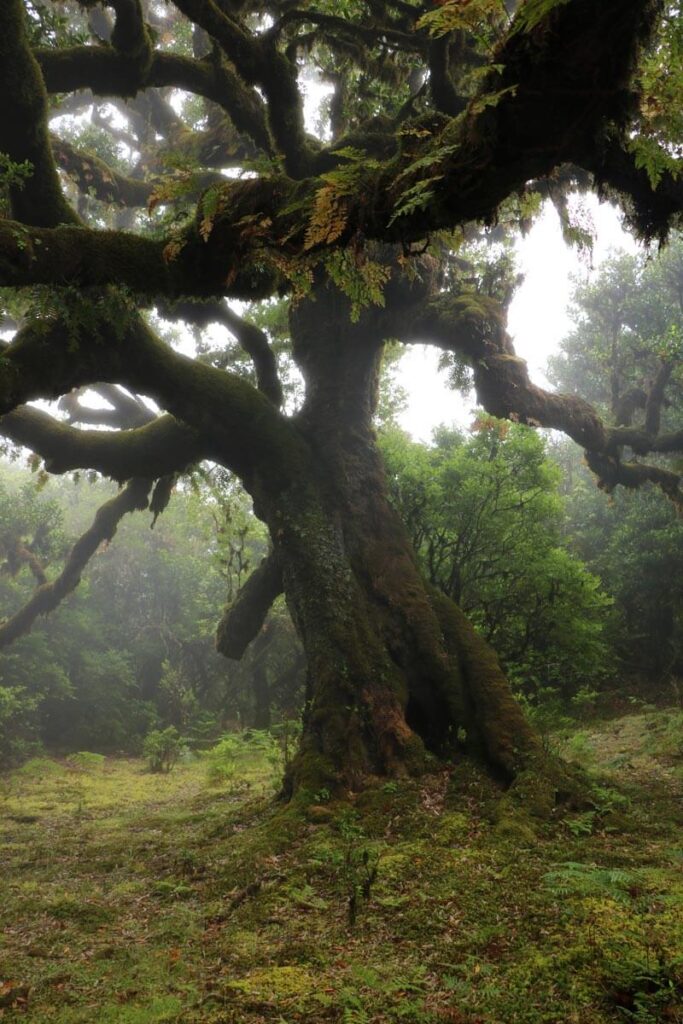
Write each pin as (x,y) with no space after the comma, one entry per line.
(395,671)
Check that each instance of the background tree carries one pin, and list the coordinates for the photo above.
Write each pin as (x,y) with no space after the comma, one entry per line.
(438,118)
(133,647)
(626,354)
(486,519)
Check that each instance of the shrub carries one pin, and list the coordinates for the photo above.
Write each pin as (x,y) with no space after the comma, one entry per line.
(162,749)
(242,759)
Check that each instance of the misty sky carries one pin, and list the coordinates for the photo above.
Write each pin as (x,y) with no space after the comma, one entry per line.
(538,317)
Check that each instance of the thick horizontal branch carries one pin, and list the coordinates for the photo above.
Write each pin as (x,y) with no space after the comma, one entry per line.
(239,426)
(106,73)
(48,596)
(642,443)
(162,447)
(243,619)
(473,326)
(88,258)
(611,472)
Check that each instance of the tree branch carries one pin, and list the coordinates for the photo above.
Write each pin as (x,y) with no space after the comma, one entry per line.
(38,200)
(260,63)
(238,425)
(243,619)
(48,596)
(107,73)
(251,338)
(560,88)
(94,176)
(163,447)
(473,326)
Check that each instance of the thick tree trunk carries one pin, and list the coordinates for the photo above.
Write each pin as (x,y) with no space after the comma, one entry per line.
(394,668)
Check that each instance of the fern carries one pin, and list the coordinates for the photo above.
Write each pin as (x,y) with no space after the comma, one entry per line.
(417,197)
(211,206)
(585,880)
(461,15)
(329,218)
(654,159)
(360,279)
(533,12)
(355,1015)
(330,212)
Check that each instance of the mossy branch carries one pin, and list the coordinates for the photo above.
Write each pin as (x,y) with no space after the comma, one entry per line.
(243,619)
(251,338)
(107,73)
(473,327)
(160,448)
(238,425)
(542,116)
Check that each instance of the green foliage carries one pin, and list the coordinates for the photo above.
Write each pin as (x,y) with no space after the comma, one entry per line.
(660,121)
(627,327)
(654,159)
(133,648)
(634,543)
(627,320)
(361,279)
(50,25)
(162,749)
(485,516)
(483,20)
(583,880)
(13,174)
(533,12)
(242,760)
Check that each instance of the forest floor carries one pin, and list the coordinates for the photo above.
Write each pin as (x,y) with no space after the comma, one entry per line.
(132,898)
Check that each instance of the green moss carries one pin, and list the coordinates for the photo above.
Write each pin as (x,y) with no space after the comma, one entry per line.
(287,985)
(453,827)
(520,921)
(516,829)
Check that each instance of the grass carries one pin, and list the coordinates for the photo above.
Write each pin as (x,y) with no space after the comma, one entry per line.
(134,898)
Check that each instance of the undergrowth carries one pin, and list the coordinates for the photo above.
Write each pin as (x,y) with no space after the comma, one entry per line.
(139,898)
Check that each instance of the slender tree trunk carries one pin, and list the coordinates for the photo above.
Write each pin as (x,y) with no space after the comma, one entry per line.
(261,698)
(394,668)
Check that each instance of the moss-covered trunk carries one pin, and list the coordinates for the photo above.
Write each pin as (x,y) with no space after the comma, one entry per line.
(394,669)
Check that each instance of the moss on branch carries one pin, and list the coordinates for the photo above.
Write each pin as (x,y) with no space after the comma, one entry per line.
(23,125)
(162,447)
(243,619)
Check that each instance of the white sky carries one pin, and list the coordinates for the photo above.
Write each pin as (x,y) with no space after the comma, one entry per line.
(538,317)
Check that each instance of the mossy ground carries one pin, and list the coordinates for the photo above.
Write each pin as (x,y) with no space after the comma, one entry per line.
(133,898)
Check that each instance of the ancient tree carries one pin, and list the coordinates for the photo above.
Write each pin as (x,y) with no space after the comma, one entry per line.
(157,156)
